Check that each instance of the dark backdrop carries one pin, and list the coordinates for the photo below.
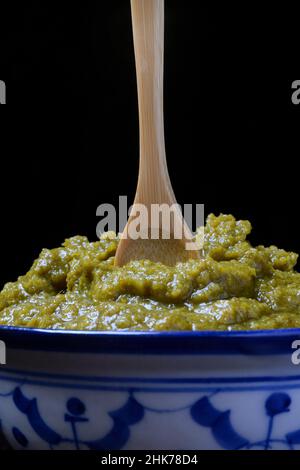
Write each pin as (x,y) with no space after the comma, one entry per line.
(69,133)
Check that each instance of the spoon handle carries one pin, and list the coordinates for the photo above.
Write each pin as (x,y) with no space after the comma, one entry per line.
(148,34)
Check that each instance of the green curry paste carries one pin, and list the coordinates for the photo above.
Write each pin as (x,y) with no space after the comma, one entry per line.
(234,287)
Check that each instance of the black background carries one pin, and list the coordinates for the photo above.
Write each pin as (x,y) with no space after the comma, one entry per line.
(69,133)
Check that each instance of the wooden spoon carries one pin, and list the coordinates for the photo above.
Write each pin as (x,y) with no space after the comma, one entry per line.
(157,241)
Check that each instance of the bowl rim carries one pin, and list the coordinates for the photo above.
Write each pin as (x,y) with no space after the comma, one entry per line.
(250,342)
(277,332)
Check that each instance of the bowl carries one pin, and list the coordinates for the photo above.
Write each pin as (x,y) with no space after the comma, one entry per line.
(150,391)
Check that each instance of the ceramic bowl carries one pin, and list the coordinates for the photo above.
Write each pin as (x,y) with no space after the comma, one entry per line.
(109,391)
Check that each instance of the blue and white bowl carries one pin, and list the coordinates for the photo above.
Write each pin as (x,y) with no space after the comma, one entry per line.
(107,391)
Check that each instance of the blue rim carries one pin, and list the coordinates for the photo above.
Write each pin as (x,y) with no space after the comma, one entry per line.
(260,342)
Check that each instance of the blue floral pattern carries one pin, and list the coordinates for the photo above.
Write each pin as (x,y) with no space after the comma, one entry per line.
(226,436)
(202,411)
